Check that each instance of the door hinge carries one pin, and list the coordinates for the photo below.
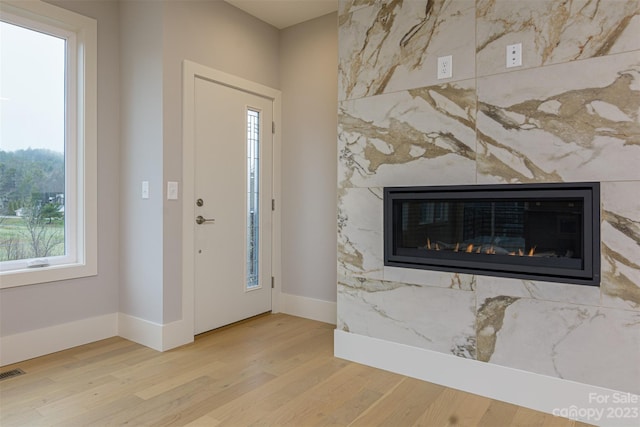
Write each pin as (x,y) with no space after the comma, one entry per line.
(273,204)
(273,281)
(273,127)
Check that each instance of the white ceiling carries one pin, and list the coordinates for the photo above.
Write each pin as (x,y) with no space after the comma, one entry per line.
(285,13)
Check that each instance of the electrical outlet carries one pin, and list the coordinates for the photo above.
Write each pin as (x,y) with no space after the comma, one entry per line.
(514,55)
(445,67)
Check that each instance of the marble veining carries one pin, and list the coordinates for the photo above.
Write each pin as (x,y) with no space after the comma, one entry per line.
(554,32)
(571,112)
(434,318)
(573,129)
(370,286)
(389,46)
(489,323)
(460,281)
(567,341)
(618,278)
(360,232)
(620,231)
(400,143)
(488,287)
(349,6)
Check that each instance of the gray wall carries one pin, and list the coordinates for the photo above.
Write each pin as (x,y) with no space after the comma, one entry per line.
(141,47)
(141,279)
(308,64)
(157,37)
(37,306)
(219,36)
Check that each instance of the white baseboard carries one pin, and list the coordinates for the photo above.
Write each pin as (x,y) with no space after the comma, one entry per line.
(27,345)
(592,404)
(140,331)
(30,344)
(176,334)
(154,335)
(309,308)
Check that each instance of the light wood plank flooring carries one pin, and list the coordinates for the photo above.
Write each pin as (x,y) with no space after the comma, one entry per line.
(273,370)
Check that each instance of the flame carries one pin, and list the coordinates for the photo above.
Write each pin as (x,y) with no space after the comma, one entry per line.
(471,248)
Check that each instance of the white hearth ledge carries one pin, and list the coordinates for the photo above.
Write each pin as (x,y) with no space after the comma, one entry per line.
(584,402)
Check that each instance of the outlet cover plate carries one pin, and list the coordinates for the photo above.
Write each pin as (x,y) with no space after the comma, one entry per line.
(445,67)
(514,55)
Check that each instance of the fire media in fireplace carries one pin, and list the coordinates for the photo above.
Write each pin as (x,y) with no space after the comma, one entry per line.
(534,231)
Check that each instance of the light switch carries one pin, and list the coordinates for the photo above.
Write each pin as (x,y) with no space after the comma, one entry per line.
(145,189)
(172,190)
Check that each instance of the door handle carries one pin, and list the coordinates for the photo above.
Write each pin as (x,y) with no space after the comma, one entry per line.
(201,220)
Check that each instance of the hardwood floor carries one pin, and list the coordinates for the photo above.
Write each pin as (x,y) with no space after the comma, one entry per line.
(268,371)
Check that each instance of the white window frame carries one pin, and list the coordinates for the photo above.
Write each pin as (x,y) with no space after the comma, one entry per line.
(80,142)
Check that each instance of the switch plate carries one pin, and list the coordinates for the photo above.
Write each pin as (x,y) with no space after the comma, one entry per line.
(145,189)
(445,67)
(172,190)
(514,55)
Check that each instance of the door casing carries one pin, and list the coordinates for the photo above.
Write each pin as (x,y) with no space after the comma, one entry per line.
(221,182)
(183,329)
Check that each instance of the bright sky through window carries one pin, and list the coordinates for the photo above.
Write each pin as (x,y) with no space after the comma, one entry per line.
(48,142)
(32,181)
(32,89)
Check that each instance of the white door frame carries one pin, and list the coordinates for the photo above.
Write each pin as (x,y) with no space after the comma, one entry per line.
(191,71)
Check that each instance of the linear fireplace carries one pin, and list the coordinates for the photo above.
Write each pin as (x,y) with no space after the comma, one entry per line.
(545,232)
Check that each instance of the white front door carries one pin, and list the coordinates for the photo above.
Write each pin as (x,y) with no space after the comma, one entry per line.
(232,228)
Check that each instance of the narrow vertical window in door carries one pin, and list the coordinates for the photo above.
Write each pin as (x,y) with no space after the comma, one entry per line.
(253,198)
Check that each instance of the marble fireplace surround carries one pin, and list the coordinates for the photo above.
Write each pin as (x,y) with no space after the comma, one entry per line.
(570,113)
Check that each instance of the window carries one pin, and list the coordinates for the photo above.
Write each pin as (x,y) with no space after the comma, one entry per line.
(48,150)
(253,198)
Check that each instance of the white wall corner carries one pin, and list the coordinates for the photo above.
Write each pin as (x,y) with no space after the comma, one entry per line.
(309,308)
(584,402)
(27,345)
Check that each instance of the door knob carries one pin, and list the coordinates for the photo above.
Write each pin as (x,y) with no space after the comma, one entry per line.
(201,220)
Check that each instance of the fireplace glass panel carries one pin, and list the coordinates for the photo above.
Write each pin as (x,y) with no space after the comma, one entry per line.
(540,228)
(537,231)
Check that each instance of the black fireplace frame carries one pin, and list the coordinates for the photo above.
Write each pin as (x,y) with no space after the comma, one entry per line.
(515,267)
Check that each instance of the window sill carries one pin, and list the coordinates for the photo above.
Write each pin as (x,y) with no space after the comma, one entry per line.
(54,273)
